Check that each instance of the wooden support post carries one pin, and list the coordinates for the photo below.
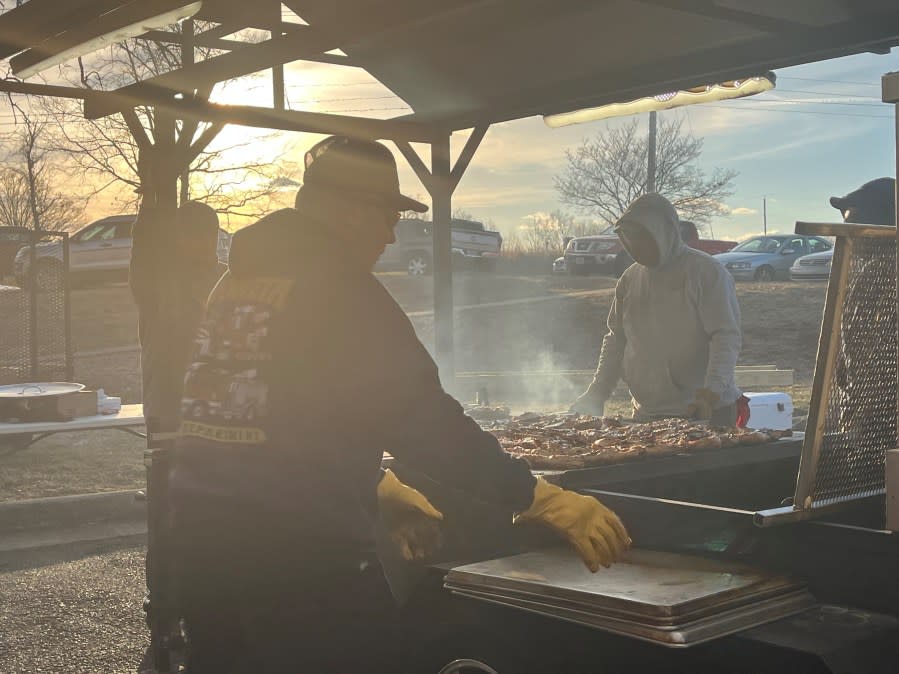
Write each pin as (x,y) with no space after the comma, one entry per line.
(187,60)
(441,182)
(278,94)
(165,166)
(441,199)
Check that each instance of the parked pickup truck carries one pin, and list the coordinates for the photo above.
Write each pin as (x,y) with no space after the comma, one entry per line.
(604,254)
(473,247)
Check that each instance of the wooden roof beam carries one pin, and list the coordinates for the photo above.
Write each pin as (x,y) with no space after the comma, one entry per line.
(245,115)
(28,88)
(250,59)
(224,29)
(201,40)
(295,120)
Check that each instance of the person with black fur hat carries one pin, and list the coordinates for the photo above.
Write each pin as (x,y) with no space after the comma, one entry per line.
(866,367)
(874,203)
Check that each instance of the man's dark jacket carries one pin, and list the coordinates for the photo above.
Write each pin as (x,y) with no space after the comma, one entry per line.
(306,371)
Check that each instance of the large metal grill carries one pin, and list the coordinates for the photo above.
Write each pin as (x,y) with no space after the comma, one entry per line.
(35,337)
(853,409)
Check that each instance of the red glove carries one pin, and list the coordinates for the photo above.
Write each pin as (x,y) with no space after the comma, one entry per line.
(742,411)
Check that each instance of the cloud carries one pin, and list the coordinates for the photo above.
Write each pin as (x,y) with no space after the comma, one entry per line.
(742,210)
(818,138)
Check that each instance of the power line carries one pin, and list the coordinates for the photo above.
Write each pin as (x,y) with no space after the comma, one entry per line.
(341,100)
(798,112)
(815,79)
(826,93)
(801,101)
(402,107)
(372,83)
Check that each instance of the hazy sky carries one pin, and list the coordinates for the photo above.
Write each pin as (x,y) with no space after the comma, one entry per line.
(821,132)
(798,154)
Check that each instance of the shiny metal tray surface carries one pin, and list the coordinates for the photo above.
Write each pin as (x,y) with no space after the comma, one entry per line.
(644,584)
(680,636)
(766,590)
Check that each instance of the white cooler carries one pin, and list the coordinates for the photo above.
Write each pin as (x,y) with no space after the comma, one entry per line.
(770,410)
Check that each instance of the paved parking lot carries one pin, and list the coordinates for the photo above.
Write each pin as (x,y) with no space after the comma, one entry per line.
(80,616)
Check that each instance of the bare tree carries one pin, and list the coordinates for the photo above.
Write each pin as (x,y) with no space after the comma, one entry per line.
(607,172)
(546,233)
(124,150)
(30,195)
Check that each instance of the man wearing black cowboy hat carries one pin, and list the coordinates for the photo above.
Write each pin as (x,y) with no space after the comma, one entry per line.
(305,372)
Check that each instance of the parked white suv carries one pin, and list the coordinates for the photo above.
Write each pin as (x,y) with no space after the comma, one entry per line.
(102,249)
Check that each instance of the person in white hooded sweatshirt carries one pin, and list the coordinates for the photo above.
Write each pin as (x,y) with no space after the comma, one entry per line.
(674,326)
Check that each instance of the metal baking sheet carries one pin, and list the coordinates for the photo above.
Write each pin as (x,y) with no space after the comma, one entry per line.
(643,583)
(682,636)
(768,590)
(38,390)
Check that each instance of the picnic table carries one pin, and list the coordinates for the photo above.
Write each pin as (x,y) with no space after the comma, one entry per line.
(18,436)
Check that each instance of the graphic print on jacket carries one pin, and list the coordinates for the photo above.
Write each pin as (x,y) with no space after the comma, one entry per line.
(226,388)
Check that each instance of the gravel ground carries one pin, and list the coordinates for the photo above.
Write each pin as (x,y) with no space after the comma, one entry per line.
(82,616)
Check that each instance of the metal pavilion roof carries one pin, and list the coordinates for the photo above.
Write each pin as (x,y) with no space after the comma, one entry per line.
(461,63)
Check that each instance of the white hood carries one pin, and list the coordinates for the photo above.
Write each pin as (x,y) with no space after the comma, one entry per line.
(656,214)
(673,329)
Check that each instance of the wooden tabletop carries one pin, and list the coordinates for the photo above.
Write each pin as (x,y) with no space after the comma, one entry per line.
(130,415)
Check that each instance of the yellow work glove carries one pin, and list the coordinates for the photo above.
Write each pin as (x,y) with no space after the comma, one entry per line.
(410,519)
(704,403)
(595,531)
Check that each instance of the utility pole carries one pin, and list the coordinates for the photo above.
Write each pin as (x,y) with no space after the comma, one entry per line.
(651,160)
(765,214)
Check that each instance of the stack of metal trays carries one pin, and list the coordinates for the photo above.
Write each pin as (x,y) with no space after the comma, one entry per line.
(669,599)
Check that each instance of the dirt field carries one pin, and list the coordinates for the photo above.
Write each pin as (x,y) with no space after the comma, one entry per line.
(781,322)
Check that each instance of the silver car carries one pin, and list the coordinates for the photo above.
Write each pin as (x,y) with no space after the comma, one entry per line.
(101,249)
(815,267)
(766,258)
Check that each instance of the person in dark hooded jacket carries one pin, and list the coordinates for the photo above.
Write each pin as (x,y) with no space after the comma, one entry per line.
(305,372)
(674,327)
(174,266)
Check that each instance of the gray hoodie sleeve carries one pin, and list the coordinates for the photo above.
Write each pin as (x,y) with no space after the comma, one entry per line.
(608,371)
(719,312)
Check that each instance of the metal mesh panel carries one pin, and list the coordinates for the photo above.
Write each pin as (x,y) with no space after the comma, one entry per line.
(34,308)
(860,413)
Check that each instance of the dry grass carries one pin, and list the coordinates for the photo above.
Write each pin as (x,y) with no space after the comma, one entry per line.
(781,322)
(73,463)
(103,317)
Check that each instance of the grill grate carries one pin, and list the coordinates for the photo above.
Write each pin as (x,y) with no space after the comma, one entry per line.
(860,414)
(35,340)
(853,408)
